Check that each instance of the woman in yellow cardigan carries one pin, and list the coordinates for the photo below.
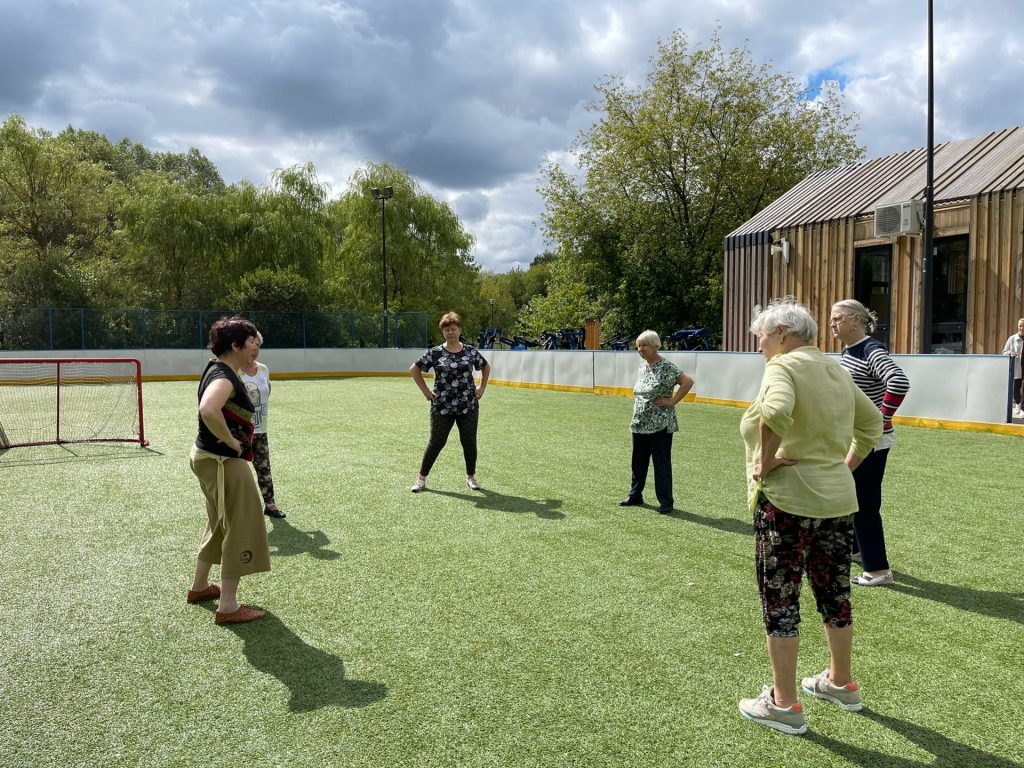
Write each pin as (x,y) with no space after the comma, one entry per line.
(809,427)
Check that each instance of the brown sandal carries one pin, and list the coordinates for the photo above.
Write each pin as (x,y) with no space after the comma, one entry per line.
(243,614)
(211,592)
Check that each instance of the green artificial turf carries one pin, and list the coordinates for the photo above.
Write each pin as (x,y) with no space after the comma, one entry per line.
(534,623)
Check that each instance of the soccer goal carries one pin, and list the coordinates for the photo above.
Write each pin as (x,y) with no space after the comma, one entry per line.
(48,401)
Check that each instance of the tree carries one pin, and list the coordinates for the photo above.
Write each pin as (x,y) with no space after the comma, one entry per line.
(176,238)
(671,167)
(127,159)
(567,304)
(429,263)
(286,227)
(57,214)
(504,297)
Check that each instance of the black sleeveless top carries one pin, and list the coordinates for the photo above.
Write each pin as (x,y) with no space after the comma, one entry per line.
(238,413)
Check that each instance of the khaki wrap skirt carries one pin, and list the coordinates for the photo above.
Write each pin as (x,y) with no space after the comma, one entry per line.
(236,533)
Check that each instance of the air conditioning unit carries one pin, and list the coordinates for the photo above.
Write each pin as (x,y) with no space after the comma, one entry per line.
(895,219)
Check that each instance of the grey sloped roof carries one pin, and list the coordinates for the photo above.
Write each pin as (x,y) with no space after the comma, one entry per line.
(963,168)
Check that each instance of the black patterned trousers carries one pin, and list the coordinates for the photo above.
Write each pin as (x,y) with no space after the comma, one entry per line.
(441,427)
(261,463)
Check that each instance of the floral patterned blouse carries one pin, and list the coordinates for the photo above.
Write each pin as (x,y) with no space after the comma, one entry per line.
(652,382)
(454,387)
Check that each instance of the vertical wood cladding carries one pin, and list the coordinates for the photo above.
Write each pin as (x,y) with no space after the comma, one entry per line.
(822,263)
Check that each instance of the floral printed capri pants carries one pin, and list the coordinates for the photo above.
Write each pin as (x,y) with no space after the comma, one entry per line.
(787,546)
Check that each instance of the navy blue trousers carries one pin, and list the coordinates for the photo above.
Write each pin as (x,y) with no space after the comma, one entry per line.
(867,523)
(655,448)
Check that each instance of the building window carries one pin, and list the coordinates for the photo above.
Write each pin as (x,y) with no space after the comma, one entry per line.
(871,285)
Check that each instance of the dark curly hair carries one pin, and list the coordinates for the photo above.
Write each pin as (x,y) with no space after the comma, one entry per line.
(230,331)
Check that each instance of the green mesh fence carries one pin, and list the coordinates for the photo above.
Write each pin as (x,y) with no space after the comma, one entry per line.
(63,328)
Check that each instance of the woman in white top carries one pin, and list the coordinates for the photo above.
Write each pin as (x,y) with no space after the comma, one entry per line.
(256,377)
(1013,347)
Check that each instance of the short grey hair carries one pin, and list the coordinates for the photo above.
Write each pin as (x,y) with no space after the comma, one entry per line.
(651,338)
(785,313)
(853,308)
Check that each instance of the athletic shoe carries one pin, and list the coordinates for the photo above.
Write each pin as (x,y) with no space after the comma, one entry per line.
(472,483)
(764,711)
(419,485)
(275,513)
(846,696)
(865,580)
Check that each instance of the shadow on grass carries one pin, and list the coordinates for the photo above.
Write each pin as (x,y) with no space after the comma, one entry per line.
(727,524)
(500,502)
(41,455)
(314,679)
(286,539)
(999,605)
(947,753)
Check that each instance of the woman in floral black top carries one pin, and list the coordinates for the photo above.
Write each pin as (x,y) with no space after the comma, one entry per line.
(454,397)
(654,421)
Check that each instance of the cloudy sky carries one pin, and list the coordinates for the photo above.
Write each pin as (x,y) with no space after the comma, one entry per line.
(470,96)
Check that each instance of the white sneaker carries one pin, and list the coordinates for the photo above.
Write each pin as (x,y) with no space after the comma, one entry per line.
(846,696)
(419,485)
(867,580)
(764,711)
(472,483)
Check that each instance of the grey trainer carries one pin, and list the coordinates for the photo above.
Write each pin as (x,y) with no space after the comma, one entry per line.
(764,711)
(846,696)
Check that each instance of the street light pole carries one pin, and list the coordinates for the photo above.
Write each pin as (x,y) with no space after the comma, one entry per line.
(384,195)
(929,206)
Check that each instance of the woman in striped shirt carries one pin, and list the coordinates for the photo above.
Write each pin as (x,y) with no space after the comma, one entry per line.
(885,383)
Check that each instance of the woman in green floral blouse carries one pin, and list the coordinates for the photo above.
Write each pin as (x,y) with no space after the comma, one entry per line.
(654,421)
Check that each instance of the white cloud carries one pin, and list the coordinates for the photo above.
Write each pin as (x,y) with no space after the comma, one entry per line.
(470,96)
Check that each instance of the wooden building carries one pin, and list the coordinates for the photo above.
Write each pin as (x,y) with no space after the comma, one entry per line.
(818,243)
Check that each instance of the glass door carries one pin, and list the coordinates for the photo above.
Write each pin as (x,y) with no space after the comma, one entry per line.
(871,285)
(949,295)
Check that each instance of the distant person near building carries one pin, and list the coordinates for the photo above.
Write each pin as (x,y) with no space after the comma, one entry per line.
(1014,347)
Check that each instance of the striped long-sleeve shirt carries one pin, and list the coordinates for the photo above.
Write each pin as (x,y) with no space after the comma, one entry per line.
(878,377)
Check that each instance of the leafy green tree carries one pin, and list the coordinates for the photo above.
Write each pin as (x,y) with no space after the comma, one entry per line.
(504,296)
(127,159)
(270,289)
(429,264)
(176,237)
(57,213)
(671,167)
(568,302)
(286,227)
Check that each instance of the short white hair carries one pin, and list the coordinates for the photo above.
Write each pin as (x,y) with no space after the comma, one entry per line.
(650,338)
(785,313)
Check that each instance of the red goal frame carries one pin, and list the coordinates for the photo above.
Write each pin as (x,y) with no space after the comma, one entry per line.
(59,361)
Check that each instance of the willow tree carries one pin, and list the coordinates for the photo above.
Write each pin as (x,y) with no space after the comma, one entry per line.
(57,217)
(672,166)
(429,263)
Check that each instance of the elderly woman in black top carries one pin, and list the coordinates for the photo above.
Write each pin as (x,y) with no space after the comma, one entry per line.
(454,397)
(235,536)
